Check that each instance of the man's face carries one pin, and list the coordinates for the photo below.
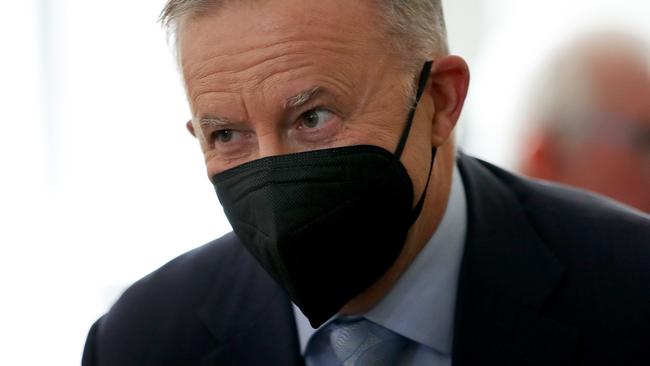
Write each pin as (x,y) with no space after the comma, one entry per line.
(278,77)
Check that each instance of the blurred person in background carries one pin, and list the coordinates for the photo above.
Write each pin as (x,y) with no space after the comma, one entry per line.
(590,119)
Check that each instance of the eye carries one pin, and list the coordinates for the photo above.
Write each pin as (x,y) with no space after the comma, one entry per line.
(223,136)
(315,118)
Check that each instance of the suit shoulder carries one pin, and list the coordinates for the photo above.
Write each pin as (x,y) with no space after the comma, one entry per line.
(192,270)
(159,309)
(582,223)
(590,215)
(592,256)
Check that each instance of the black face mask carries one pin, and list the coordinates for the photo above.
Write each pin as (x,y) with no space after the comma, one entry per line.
(325,224)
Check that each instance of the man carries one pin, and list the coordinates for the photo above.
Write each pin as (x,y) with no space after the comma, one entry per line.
(591,119)
(326,128)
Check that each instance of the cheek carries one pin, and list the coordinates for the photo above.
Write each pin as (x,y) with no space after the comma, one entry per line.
(212,168)
(376,133)
(215,164)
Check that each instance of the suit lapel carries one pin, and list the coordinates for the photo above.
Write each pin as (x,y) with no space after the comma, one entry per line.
(506,276)
(250,317)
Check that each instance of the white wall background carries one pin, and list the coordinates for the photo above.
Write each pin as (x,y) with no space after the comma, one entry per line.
(100,183)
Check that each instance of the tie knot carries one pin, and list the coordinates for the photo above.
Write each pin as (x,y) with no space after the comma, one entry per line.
(360,342)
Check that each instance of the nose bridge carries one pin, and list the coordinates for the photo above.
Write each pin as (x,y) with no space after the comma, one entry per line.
(270,142)
(260,105)
(265,123)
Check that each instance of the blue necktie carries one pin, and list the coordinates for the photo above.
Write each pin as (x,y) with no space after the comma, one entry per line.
(355,342)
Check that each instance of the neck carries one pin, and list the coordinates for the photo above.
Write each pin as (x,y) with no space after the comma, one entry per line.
(435,204)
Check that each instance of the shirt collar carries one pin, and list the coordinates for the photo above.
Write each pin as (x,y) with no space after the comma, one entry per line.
(421,305)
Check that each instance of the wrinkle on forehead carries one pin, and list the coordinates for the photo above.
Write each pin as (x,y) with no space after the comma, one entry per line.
(271,67)
(268,78)
(239,36)
(258,61)
(226,55)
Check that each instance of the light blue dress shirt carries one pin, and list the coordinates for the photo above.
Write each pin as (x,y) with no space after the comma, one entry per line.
(421,305)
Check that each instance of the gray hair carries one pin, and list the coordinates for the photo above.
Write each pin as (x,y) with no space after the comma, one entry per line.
(417,27)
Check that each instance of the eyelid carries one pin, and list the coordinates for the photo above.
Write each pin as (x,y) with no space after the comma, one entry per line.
(297,121)
(237,139)
(317,110)
(233,131)
(322,100)
(315,107)
(209,126)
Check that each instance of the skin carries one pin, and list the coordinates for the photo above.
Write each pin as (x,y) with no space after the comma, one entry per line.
(598,160)
(245,65)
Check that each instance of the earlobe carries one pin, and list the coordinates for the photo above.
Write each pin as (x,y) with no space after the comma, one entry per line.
(190,127)
(449,85)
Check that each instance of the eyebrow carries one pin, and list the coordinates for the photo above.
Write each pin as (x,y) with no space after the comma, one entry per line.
(211,121)
(293,102)
(302,98)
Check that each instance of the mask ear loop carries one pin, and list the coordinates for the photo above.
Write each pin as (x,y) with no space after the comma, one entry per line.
(422,83)
(418,206)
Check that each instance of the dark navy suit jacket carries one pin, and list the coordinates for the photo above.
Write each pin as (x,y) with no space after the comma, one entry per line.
(550,276)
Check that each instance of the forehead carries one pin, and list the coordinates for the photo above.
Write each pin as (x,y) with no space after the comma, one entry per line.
(241,33)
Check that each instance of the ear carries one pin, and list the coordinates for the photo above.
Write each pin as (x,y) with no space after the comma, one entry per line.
(190,127)
(449,83)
